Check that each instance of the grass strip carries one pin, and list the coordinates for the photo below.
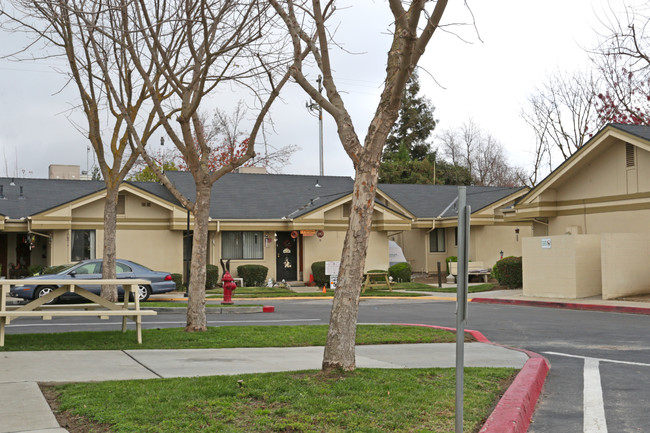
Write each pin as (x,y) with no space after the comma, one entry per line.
(220,337)
(366,400)
(471,289)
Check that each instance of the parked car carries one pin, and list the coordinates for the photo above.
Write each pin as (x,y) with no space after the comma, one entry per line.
(161,282)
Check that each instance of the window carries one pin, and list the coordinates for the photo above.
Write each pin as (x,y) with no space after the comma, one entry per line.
(437,241)
(121,268)
(89,268)
(83,245)
(242,245)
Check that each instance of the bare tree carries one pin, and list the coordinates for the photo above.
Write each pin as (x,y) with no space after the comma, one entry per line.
(563,115)
(58,26)
(198,45)
(481,154)
(177,53)
(623,60)
(306,23)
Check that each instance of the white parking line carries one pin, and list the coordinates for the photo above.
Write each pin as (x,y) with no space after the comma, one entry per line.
(594,420)
(594,408)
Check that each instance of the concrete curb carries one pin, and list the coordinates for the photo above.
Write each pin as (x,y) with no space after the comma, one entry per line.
(516,407)
(564,305)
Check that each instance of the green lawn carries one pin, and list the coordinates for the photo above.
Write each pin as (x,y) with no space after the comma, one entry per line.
(366,400)
(220,337)
(275,292)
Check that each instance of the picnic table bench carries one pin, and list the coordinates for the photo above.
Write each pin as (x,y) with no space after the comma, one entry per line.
(371,279)
(101,308)
(473,268)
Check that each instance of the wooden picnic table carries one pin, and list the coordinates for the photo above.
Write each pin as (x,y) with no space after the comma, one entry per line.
(371,279)
(102,308)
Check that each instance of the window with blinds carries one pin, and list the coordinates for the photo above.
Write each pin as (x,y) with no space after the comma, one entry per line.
(242,245)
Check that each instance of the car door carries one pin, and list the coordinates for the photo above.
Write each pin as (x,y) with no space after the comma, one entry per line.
(89,271)
(122,271)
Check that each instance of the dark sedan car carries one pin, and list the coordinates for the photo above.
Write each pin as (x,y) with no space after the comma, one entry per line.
(161,282)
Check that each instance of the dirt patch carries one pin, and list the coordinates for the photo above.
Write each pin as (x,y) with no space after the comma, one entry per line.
(68,421)
(637,298)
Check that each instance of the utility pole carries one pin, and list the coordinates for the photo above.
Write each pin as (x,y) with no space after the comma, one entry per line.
(311,106)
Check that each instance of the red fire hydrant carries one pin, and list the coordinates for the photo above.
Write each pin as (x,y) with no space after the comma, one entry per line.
(228,286)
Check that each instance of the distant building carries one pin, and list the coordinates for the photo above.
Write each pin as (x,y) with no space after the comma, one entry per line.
(68,172)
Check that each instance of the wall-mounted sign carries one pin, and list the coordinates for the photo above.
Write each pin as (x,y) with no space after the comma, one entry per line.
(332,268)
(546,243)
(308,232)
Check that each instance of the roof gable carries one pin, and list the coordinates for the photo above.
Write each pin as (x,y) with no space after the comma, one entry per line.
(637,135)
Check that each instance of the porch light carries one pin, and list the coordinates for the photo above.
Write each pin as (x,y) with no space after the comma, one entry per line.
(317,184)
(12,183)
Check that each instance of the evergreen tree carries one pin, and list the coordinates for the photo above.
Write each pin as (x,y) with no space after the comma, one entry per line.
(414,124)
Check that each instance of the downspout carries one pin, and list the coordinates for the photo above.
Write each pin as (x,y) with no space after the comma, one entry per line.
(30,231)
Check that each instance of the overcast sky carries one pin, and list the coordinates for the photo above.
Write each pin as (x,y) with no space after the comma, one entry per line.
(487,80)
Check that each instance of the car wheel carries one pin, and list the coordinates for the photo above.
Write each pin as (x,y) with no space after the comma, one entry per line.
(44,290)
(143,292)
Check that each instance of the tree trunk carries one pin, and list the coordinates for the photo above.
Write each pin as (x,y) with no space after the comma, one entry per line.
(339,348)
(109,292)
(196,318)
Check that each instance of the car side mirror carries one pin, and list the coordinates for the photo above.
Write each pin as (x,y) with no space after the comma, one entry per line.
(73,274)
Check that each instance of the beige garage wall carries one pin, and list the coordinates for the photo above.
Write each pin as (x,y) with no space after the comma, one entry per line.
(606,222)
(487,242)
(160,250)
(414,248)
(570,269)
(625,264)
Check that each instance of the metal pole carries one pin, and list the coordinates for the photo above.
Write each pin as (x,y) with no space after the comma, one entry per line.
(464,213)
(320,127)
(188,256)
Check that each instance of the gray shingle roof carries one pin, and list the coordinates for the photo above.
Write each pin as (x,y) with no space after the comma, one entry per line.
(42,194)
(642,131)
(266,196)
(432,201)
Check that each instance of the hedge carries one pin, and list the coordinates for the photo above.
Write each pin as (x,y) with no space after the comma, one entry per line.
(509,272)
(253,275)
(401,272)
(211,276)
(318,271)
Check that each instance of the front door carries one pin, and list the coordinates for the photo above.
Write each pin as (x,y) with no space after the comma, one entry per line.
(286,257)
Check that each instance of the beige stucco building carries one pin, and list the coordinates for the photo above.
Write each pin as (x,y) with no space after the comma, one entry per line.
(284,222)
(591,220)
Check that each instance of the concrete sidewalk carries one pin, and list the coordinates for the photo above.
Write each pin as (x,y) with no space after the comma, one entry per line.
(24,409)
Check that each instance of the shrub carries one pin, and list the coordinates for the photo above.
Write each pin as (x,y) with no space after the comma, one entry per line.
(52,269)
(35,269)
(509,272)
(253,275)
(318,271)
(400,272)
(178,279)
(211,276)
(450,259)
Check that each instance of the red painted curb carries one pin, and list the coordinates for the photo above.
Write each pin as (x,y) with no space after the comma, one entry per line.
(515,409)
(565,305)
(268,309)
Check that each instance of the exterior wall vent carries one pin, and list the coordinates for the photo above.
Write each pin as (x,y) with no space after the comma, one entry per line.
(629,155)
